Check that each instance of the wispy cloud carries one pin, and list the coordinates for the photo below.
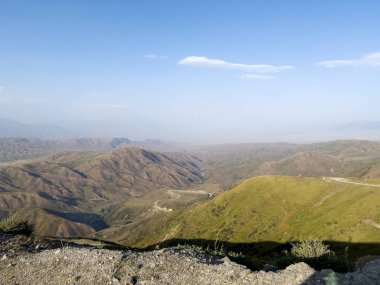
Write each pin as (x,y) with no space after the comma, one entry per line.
(1,89)
(257,77)
(370,60)
(155,56)
(201,61)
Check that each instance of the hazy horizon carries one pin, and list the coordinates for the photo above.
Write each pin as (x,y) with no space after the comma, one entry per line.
(203,72)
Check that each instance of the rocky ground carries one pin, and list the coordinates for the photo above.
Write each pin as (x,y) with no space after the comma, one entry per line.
(23,261)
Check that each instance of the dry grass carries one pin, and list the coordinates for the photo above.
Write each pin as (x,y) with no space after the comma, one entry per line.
(15,225)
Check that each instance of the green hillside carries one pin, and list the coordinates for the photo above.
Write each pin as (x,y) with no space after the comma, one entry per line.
(270,208)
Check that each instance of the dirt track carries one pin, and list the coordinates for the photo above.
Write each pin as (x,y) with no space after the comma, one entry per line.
(348,181)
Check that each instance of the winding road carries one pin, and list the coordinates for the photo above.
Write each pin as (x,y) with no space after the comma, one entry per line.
(174,194)
(348,181)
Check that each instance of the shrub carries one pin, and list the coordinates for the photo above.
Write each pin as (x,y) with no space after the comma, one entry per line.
(314,252)
(310,249)
(15,225)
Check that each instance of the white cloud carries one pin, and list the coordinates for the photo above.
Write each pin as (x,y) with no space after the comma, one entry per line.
(200,61)
(257,77)
(155,56)
(370,60)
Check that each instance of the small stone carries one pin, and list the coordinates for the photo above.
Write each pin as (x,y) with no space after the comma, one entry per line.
(115,281)
(152,265)
(225,259)
(58,251)
(128,280)
(4,257)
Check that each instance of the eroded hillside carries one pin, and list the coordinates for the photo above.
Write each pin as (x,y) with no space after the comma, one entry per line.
(72,185)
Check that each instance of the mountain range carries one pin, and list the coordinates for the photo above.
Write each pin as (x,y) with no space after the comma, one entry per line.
(121,192)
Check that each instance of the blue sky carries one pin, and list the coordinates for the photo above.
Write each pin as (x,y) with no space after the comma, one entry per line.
(207,71)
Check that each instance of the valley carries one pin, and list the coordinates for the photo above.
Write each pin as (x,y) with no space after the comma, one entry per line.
(246,194)
(73,184)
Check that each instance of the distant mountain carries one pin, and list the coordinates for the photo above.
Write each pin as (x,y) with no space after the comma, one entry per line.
(18,148)
(304,164)
(12,128)
(12,149)
(229,164)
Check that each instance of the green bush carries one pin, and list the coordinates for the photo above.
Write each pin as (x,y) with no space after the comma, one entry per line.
(15,225)
(314,252)
(310,249)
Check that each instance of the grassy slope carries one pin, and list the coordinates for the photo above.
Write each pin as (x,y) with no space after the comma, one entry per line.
(272,208)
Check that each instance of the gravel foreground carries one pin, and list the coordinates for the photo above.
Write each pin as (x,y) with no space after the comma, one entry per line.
(86,265)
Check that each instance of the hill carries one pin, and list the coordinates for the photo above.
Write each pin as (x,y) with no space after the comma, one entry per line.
(12,149)
(304,164)
(21,148)
(123,185)
(76,185)
(229,164)
(270,208)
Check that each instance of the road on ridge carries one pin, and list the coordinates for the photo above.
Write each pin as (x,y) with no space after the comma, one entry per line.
(348,181)
(174,194)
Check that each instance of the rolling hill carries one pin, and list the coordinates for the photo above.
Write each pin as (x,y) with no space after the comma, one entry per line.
(229,164)
(20,148)
(120,185)
(270,208)
(12,149)
(304,164)
(76,185)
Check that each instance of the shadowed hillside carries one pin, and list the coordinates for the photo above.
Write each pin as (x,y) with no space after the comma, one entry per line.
(78,182)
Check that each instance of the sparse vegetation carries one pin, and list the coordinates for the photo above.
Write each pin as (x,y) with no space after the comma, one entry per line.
(285,209)
(307,249)
(218,249)
(15,225)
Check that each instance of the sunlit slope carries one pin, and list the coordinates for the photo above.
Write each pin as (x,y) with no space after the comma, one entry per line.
(272,208)
(304,164)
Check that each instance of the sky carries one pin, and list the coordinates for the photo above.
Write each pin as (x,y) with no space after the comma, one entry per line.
(199,71)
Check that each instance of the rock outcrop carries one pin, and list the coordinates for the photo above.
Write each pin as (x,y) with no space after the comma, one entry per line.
(33,263)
